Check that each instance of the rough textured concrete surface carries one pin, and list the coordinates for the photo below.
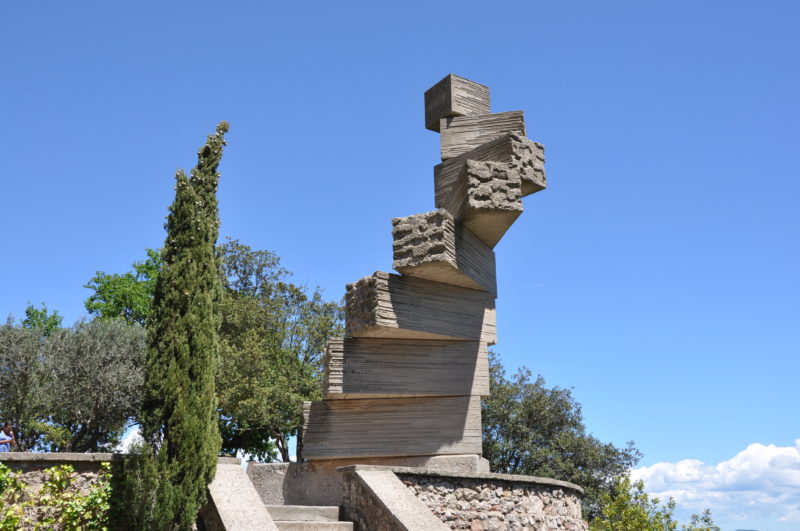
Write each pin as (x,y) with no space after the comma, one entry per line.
(234,503)
(391,427)
(318,482)
(454,96)
(483,188)
(399,307)
(378,500)
(432,246)
(395,368)
(521,157)
(462,134)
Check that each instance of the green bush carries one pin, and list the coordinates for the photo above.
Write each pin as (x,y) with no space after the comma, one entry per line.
(58,504)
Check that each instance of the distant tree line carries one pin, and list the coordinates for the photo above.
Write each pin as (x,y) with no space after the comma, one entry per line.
(78,388)
(69,389)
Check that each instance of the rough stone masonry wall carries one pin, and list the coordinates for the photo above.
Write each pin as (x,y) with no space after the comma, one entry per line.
(490,504)
(33,467)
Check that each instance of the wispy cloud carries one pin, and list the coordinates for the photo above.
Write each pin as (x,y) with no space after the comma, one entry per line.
(759,484)
(131,436)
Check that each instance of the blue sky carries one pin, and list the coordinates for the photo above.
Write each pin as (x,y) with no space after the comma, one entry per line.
(657,275)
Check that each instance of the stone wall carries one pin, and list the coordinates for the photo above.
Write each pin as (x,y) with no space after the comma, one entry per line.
(499,502)
(33,466)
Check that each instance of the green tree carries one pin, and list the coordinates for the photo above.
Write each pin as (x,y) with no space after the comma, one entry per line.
(273,337)
(94,383)
(42,320)
(74,390)
(23,400)
(127,296)
(627,507)
(179,418)
(531,429)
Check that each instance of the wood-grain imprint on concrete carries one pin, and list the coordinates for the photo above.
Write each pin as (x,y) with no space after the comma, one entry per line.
(461,134)
(454,96)
(384,368)
(402,307)
(387,427)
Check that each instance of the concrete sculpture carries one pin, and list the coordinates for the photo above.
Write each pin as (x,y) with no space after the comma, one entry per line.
(408,378)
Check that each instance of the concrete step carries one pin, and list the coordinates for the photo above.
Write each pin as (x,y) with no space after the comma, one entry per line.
(303,513)
(313,526)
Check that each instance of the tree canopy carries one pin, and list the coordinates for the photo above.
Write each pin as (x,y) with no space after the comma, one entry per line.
(531,429)
(627,507)
(127,296)
(273,337)
(70,389)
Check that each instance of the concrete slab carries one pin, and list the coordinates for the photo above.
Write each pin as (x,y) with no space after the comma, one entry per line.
(234,503)
(303,513)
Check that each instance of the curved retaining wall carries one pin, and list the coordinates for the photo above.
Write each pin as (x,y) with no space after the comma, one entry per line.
(396,498)
(498,501)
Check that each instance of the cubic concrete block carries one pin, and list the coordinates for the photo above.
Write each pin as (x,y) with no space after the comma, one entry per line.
(521,156)
(461,134)
(454,96)
(486,200)
(400,307)
(483,188)
(387,368)
(432,246)
(379,427)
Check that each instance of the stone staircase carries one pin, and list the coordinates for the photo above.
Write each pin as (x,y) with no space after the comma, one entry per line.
(307,518)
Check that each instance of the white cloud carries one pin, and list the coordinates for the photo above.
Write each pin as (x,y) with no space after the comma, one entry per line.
(760,484)
(131,436)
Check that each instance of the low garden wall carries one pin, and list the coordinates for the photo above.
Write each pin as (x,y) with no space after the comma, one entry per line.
(497,501)
(55,491)
(32,466)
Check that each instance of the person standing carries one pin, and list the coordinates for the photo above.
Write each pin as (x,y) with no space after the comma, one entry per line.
(7,438)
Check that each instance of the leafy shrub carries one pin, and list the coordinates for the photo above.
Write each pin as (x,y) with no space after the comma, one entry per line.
(58,504)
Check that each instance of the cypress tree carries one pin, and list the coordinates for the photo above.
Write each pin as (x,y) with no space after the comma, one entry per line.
(178,416)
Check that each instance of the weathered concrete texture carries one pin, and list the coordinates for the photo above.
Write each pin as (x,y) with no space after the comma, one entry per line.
(522,157)
(314,526)
(462,134)
(498,503)
(401,307)
(483,188)
(233,502)
(432,246)
(304,513)
(307,518)
(454,96)
(318,482)
(391,427)
(378,500)
(386,368)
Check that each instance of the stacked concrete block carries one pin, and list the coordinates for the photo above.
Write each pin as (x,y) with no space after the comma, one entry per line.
(462,134)
(432,246)
(403,307)
(454,96)
(408,377)
(405,368)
